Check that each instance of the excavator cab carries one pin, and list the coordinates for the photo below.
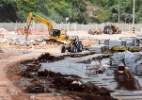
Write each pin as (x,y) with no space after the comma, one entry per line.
(58,35)
(54,33)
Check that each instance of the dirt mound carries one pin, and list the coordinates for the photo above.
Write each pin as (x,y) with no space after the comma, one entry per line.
(2,30)
(47,82)
(70,86)
(124,82)
(47,73)
(47,57)
(1,51)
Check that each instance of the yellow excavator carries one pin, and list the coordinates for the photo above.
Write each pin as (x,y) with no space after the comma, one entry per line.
(54,34)
(72,44)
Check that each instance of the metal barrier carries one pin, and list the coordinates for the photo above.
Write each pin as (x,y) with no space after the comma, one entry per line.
(69,26)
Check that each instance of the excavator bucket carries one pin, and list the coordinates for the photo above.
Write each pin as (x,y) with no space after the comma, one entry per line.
(27,34)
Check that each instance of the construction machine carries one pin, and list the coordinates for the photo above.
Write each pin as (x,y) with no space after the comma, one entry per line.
(104,49)
(125,44)
(74,46)
(95,32)
(55,35)
(111,29)
(115,49)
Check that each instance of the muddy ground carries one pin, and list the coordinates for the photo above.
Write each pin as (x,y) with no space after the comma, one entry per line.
(12,56)
(53,83)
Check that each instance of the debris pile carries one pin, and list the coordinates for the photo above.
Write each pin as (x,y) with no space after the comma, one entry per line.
(67,84)
(21,40)
(49,58)
(47,82)
(128,58)
(46,57)
(125,81)
(98,58)
(128,64)
(37,87)
(47,73)
(30,70)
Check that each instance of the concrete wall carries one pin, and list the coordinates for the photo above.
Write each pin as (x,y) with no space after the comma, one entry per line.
(69,26)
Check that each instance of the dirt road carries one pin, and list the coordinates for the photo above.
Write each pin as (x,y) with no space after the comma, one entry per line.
(7,90)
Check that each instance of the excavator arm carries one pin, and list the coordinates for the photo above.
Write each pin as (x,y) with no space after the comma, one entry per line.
(54,34)
(35,17)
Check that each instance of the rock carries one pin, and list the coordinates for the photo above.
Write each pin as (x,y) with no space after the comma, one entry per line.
(42,43)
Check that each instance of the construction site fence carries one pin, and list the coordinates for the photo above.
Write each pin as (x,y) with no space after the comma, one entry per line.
(70,26)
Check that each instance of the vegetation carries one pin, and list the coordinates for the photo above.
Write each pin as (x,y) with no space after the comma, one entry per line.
(8,9)
(75,10)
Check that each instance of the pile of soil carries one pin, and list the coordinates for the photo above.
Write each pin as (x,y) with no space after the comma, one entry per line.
(125,80)
(99,58)
(46,57)
(47,81)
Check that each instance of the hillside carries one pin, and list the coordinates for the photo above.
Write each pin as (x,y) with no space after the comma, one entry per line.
(80,11)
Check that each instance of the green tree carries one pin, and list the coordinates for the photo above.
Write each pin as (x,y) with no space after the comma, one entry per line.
(58,10)
(8,11)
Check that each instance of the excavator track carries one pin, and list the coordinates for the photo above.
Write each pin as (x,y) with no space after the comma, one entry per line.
(53,42)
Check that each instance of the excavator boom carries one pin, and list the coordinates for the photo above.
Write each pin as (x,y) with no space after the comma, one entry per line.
(35,17)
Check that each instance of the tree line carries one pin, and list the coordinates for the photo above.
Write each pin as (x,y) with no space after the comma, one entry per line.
(76,10)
